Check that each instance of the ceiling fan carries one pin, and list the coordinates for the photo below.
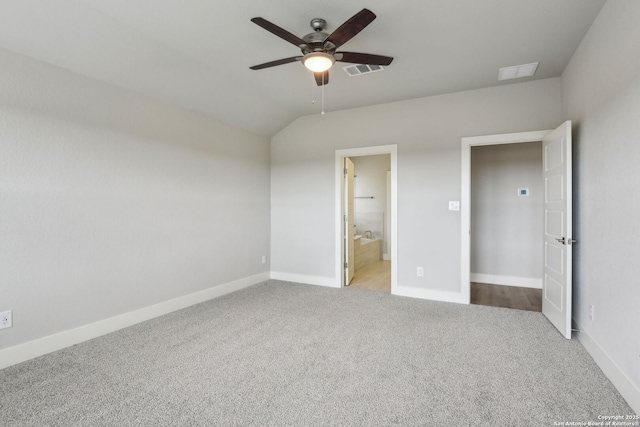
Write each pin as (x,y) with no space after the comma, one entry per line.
(319,48)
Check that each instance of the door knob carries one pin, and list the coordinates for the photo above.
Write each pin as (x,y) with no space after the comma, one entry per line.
(564,241)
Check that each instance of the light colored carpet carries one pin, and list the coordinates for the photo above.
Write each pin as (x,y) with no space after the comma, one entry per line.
(288,354)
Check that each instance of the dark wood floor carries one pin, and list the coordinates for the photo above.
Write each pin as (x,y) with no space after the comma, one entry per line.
(506,296)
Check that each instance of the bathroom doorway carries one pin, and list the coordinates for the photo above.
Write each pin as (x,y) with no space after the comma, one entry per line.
(367,192)
(366,197)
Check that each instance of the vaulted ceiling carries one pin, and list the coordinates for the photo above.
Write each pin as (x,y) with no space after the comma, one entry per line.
(196,54)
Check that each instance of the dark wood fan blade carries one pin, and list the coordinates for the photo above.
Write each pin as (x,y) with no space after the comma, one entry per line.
(362,58)
(322,78)
(278,62)
(280,32)
(353,26)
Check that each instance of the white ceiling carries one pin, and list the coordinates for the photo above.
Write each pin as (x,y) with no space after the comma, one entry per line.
(196,53)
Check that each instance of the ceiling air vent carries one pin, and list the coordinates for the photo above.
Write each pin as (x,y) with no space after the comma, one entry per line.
(517,71)
(357,70)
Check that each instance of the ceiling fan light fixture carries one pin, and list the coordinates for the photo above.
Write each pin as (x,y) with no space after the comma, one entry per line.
(318,61)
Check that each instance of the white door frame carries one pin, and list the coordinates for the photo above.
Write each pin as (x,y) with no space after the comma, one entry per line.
(392,150)
(465,205)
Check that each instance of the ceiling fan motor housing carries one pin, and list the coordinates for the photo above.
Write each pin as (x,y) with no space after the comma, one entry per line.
(316,43)
(316,40)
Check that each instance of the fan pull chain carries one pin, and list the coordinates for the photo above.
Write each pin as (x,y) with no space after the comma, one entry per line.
(322,94)
(313,91)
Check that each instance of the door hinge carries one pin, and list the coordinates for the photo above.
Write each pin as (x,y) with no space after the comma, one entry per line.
(346,172)
(345,218)
(346,265)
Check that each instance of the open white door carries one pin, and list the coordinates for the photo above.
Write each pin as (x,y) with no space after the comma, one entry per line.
(349,252)
(556,284)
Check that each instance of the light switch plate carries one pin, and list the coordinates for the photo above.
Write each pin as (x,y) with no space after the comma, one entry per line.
(454,205)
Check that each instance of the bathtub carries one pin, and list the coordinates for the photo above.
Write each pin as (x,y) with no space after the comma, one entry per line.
(367,251)
(363,240)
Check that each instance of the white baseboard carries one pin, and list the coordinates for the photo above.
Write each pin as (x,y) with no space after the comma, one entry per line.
(309,280)
(386,257)
(621,382)
(38,347)
(494,279)
(430,294)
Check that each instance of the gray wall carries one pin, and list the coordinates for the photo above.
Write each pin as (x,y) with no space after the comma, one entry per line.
(506,229)
(427,132)
(601,94)
(110,202)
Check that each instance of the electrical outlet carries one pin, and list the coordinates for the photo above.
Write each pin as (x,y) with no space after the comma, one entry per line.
(5,319)
(420,272)
(264,259)
(592,310)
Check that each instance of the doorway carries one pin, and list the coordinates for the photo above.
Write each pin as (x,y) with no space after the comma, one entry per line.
(376,212)
(557,230)
(366,193)
(507,223)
